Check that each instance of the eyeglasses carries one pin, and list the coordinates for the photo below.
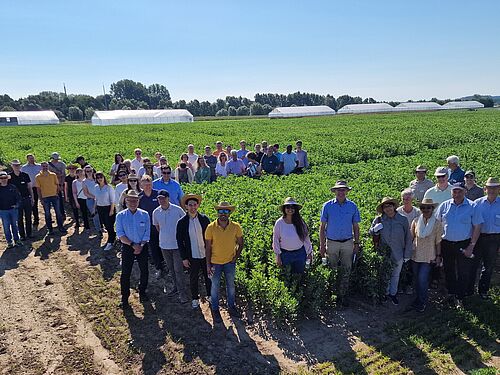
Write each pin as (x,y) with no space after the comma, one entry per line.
(99,177)
(122,175)
(132,180)
(387,205)
(426,207)
(224,212)
(289,207)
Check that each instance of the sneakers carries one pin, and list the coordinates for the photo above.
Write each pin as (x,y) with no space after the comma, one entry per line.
(195,303)
(108,247)
(393,299)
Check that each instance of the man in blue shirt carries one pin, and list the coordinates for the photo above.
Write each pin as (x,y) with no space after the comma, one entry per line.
(166,183)
(133,230)
(461,228)
(242,152)
(270,162)
(486,250)
(457,174)
(339,234)
(235,166)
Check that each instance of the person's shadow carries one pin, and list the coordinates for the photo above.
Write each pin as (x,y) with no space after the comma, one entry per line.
(51,243)
(11,258)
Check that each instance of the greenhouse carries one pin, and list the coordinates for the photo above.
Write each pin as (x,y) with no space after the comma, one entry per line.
(466,104)
(365,108)
(28,118)
(303,111)
(141,116)
(418,106)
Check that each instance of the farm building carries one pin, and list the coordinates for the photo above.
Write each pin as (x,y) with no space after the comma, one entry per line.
(365,108)
(141,116)
(466,104)
(420,106)
(28,118)
(316,110)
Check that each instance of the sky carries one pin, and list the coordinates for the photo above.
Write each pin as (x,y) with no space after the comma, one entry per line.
(388,50)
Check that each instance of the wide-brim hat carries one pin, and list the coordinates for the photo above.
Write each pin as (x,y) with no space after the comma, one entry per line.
(15,162)
(133,176)
(428,202)
(132,194)
(224,206)
(386,200)
(470,173)
(492,182)
(289,201)
(55,156)
(421,168)
(187,197)
(340,184)
(4,174)
(441,171)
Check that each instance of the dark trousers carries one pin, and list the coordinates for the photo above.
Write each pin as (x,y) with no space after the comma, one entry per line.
(61,202)
(85,213)
(485,254)
(34,208)
(54,202)
(108,221)
(128,258)
(154,248)
(457,267)
(25,209)
(75,211)
(198,265)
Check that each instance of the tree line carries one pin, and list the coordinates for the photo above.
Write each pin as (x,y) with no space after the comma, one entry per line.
(128,94)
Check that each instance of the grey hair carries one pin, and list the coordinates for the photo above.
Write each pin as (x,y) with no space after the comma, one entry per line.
(407,191)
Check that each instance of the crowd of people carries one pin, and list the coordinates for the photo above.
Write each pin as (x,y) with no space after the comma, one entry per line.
(452,223)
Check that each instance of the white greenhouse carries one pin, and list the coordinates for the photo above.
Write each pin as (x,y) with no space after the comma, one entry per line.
(418,106)
(365,108)
(141,116)
(466,104)
(28,118)
(303,111)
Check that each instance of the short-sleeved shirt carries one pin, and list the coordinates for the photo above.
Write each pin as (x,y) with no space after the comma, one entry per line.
(136,164)
(270,163)
(458,220)
(135,226)
(458,175)
(59,168)
(149,204)
(47,183)
(474,192)
(242,155)
(438,195)
(302,158)
(21,182)
(414,213)
(223,241)
(339,219)
(289,162)
(167,221)
(32,170)
(104,196)
(173,187)
(235,167)
(221,170)
(278,155)
(489,213)
(420,187)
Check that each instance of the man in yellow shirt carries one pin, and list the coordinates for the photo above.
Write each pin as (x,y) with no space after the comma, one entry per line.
(47,186)
(224,242)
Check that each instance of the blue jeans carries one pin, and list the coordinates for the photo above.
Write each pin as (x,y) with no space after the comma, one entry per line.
(229,270)
(421,272)
(47,202)
(392,288)
(295,259)
(92,207)
(9,222)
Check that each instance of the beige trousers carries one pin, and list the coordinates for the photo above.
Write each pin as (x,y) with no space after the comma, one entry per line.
(341,251)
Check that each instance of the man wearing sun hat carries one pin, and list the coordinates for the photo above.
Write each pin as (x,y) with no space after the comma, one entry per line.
(339,233)
(9,199)
(486,250)
(420,184)
(461,229)
(224,243)
(190,235)
(442,190)
(23,183)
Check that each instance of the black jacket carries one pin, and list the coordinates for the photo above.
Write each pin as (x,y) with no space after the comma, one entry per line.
(183,240)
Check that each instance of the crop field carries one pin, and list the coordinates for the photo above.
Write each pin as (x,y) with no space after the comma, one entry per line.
(376,154)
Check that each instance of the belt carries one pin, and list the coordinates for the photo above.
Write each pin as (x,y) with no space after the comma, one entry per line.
(347,239)
(489,234)
(291,251)
(467,239)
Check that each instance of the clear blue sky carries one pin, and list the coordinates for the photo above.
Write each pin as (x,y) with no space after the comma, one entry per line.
(389,50)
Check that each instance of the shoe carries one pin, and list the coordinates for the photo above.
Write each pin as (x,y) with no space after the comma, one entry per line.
(195,303)
(124,305)
(108,247)
(143,297)
(484,296)
(383,299)
(394,299)
(10,245)
(19,243)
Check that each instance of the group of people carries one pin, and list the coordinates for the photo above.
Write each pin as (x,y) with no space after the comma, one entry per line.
(454,224)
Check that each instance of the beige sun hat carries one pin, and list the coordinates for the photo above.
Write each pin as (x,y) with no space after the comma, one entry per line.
(385,200)
(421,168)
(132,194)
(428,202)
(289,201)
(441,171)
(187,197)
(224,206)
(492,182)
(341,184)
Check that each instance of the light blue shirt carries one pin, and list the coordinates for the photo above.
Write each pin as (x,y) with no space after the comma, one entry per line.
(241,155)
(278,155)
(235,167)
(339,219)
(289,162)
(136,226)
(457,219)
(173,187)
(31,170)
(489,213)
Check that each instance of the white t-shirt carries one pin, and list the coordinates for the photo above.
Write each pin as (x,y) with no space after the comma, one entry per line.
(136,165)
(196,238)
(167,221)
(119,189)
(220,170)
(285,237)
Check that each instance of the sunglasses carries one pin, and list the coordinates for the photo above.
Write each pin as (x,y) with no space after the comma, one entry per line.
(138,153)
(426,207)
(289,207)
(166,172)
(99,177)
(224,212)
(122,175)
(132,180)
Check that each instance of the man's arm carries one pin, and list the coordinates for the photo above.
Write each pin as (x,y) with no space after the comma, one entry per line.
(239,243)
(476,231)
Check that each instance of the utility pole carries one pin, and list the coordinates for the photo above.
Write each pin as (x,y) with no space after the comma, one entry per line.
(65,93)
(105,99)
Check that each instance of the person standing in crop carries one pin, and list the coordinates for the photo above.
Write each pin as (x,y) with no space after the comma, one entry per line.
(289,161)
(442,191)
(420,184)
(224,243)
(472,191)
(461,230)
(339,234)
(301,157)
(136,164)
(456,173)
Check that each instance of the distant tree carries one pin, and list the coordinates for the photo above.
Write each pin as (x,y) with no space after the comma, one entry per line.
(180,104)
(75,113)
(394,104)
(206,109)
(7,100)
(221,112)
(256,109)
(231,111)
(7,108)
(156,94)
(126,108)
(165,104)
(194,107)
(243,111)
(220,104)
(128,89)
(487,101)
(266,108)
(232,101)
(330,101)
(142,105)
(59,115)
(89,112)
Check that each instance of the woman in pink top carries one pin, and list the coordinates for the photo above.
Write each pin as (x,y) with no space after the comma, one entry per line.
(291,242)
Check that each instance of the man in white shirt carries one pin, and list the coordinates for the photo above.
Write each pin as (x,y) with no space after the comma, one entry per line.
(192,157)
(289,161)
(165,219)
(136,164)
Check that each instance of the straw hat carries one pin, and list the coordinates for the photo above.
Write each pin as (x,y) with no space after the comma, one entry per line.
(224,206)
(340,184)
(385,200)
(421,168)
(15,162)
(441,171)
(132,194)
(133,176)
(289,201)
(4,174)
(187,197)
(428,202)
(492,182)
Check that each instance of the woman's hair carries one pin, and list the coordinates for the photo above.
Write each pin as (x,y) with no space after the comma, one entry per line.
(198,162)
(118,156)
(252,155)
(222,154)
(298,223)
(86,170)
(98,174)
(138,186)
(184,156)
